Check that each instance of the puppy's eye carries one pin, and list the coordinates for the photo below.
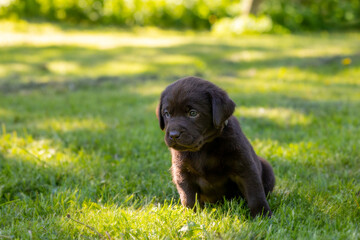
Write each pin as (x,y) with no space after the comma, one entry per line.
(193,113)
(166,114)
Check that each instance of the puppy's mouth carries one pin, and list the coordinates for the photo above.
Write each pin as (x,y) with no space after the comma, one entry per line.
(188,142)
(190,145)
(181,148)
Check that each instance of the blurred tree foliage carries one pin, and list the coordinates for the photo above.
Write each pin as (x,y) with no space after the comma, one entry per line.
(163,13)
(313,14)
(196,14)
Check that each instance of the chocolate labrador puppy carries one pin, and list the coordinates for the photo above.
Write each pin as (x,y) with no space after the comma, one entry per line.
(211,157)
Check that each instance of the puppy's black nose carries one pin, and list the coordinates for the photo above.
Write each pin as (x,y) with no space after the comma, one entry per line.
(174,134)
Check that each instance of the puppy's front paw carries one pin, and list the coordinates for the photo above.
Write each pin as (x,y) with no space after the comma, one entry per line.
(260,210)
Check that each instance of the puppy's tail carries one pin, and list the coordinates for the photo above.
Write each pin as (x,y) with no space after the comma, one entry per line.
(268,177)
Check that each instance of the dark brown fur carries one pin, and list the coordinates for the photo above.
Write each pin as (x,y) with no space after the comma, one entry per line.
(211,157)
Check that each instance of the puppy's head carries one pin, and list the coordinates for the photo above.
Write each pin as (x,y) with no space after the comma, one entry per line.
(192,112)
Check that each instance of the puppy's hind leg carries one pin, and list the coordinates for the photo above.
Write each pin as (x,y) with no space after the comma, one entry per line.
(268,177)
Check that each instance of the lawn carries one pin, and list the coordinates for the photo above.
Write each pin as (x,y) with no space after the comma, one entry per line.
(80,142)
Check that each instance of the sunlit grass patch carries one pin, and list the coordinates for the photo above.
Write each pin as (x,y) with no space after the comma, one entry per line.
(317,51)
(247,56)
(62,67)
(71,124)
(156,221)
(281,116)
(5,113)
(14,68)
(43,34)
(118,68)
(39,152)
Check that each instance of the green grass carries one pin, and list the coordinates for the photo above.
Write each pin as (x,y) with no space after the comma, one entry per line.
(79,134)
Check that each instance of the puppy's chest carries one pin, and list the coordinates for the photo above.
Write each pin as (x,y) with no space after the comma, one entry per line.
(208,172)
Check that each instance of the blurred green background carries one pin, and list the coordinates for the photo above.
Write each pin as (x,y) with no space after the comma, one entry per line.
(218,15)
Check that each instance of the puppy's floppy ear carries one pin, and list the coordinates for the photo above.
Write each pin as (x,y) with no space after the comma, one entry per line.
(159,115)
(222,107)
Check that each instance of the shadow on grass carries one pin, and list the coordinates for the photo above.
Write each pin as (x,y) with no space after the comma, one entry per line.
(35,66)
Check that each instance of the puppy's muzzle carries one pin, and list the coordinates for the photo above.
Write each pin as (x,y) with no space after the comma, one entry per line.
(180,139)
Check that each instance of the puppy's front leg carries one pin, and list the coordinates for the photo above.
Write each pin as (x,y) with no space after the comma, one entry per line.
(253,190)
(185,186)
(187,193)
